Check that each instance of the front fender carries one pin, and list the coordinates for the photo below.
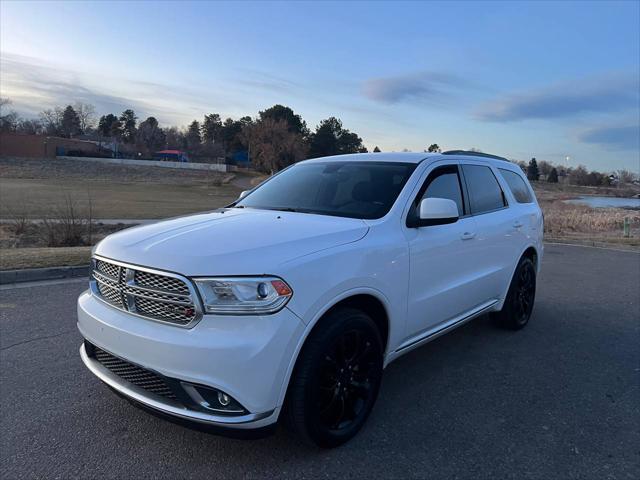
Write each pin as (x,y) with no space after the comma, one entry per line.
(316,318)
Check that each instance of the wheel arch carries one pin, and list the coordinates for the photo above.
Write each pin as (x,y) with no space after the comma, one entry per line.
(531,252)
(370,301)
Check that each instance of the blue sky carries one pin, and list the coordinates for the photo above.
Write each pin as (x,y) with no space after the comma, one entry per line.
(543,79)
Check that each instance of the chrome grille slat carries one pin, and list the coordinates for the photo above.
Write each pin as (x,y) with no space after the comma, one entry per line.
(163,297)
(152,280)
(151,309)
(152,295)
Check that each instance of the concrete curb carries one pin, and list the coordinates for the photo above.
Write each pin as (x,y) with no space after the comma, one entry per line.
(38,274)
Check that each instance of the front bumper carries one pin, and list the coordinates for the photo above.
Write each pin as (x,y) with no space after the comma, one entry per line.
(245,357)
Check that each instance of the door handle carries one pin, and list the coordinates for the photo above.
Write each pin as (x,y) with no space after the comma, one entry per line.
(517,224)
(468,235)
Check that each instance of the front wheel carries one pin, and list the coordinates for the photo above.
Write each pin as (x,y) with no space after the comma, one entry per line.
(518,305)
(336,380)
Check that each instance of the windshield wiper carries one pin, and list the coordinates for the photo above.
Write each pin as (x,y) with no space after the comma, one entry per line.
(287,209)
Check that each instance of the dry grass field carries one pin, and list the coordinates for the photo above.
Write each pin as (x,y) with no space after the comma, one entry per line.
(37,189)
(34,187)
(582,224)
(18,258)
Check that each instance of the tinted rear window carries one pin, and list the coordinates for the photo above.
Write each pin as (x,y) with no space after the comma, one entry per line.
(519,189)
(485,193)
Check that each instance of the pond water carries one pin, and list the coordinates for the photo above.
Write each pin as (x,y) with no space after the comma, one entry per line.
(606,202)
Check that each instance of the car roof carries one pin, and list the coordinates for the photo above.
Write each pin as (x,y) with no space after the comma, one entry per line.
(411,157)
(392,157)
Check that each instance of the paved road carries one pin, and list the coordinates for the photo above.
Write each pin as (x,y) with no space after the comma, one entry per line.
(560,399)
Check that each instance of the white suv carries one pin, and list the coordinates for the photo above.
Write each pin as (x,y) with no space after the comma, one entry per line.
(292,300)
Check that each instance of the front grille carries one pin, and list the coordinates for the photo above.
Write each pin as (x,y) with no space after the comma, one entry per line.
(141,377)
(160,282)
(153,295)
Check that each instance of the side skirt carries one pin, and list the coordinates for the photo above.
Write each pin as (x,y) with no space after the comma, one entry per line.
(429,335)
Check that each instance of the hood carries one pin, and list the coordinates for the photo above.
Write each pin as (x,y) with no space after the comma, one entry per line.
(230,241)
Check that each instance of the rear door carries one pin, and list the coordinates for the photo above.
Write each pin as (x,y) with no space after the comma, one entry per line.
(497,232)
(527,215)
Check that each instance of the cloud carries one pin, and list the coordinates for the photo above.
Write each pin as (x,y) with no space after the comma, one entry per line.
(265,81)
(612,93)
(34,85)
(616,138)
(429,87)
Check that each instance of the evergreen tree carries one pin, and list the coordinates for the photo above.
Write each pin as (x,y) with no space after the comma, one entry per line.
(330,138)
(376,150)
(105,123)
(212,128)
(70,122)
(553,176)
(128,120)
(532,170)
(193,136)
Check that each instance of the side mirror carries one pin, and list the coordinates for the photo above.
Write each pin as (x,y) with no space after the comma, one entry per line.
(436,211)
(243,194)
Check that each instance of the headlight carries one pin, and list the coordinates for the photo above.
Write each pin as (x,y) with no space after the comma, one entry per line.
(243,295)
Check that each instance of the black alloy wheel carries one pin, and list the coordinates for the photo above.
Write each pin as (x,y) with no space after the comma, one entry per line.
(344,381)
(336,380)
(518,305)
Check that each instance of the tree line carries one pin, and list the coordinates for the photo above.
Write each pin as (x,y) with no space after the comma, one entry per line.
(274,139)
(580,175)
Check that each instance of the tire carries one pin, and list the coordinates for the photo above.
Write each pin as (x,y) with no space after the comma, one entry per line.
(336,379)
(518,305)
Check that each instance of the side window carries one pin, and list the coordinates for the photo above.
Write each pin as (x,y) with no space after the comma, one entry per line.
(444,182)
(519,189)
(485,193)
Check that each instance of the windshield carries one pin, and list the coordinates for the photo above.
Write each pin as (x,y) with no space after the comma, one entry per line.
(364,190)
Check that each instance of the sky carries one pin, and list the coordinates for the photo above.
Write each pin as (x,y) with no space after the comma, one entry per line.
(559,81)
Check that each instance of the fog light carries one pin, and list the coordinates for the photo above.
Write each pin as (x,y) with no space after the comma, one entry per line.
(214,400)
(224,399)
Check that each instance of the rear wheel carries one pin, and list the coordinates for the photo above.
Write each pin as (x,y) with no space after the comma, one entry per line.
(336,380)
(518,305)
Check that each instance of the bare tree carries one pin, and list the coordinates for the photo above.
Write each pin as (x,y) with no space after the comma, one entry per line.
(625,177)
(29,127)
(578,175)
(87,115)
(8,117)
(51,120)
(544,168)
(272,145)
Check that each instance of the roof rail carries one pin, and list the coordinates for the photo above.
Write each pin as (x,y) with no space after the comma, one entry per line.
(474,154)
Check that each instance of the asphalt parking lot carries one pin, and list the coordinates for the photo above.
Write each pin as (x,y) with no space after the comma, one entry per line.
(560,399)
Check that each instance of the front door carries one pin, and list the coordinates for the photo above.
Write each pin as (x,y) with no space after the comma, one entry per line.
(442,278)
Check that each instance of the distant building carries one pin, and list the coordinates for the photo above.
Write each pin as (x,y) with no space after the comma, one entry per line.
(171,156)
(21,145)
